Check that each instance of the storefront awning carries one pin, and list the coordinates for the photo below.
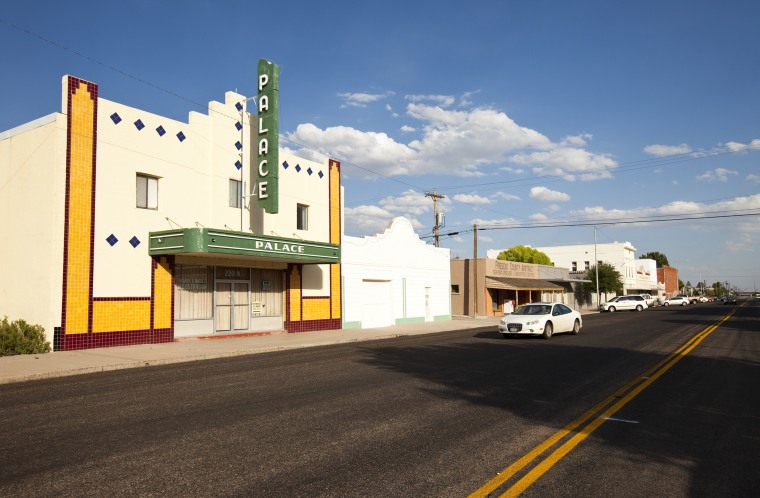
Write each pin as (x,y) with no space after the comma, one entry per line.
(208,241)
(520,284)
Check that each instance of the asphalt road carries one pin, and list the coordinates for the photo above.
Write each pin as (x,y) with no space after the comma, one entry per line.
(663,403)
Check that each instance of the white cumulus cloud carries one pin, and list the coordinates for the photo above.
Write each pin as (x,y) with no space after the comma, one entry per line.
(546,195)
(456,142)
(360,99)
(472,199)
(506,197)
(717,175)
(667,150)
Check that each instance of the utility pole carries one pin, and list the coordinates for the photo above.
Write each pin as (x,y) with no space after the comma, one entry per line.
(475,288)
(435,197)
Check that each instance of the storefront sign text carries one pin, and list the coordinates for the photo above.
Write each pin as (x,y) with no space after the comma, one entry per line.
(266,187)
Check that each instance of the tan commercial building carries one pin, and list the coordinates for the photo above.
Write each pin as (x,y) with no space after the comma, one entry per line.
(491,287)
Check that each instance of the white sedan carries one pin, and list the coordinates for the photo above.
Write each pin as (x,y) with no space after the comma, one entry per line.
(542,319)
(676,301)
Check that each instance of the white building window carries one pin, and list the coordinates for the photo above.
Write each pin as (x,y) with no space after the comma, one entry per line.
(587,265)
(302,213)
(236,193)
(574,266)
(147,191)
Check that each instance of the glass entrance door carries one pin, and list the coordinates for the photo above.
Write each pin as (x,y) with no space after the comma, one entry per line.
(231,303)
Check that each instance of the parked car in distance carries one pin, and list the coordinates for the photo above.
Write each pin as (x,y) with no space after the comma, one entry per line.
(544,319)
(702,299)
(649,299)
(676,301)
(730,299)
(632,302)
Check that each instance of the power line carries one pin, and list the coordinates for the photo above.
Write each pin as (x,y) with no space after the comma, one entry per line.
(598,222)
(631,166)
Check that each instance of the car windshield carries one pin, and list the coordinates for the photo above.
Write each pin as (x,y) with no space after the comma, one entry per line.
(534,309)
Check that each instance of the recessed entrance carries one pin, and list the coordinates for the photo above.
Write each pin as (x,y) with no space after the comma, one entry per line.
(231,301)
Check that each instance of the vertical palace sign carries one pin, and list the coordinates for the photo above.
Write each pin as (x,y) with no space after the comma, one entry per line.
(266,188)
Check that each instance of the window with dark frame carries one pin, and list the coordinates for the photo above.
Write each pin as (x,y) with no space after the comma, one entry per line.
(236,193)
(455,288)
(302,214)
(147,192)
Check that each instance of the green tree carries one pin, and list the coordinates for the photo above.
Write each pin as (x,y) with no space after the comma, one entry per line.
(610,280)
(661,259)
(524,254)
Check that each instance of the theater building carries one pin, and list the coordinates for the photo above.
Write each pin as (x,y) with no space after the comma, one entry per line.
(121,226)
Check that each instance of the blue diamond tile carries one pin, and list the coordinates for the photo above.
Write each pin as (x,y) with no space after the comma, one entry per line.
(115,118)
(181,136)
(309,171)
(298,168)
(112,240)
(238,145)
(285,165)
(238,126)
(160,130)
(238,164)
(239,106)
(139,125)
(134,241)
(321,174)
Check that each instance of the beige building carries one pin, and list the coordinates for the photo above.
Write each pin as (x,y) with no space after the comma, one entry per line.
(124,227)
(491,287)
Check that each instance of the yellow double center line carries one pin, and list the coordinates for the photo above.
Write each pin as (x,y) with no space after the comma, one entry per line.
(608,407)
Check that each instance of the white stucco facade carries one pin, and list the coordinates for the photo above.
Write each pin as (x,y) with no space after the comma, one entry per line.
(82,256)
(639,275)
(394,277)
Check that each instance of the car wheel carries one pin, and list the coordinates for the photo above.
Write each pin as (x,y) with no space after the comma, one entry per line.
(666,303)
(639,308)
(683,304)
(548,330)
(576,327)
(611,309)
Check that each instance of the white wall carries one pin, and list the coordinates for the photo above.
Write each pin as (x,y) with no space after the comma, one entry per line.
(297,186)
(32,203)
(619,254)
(407,263)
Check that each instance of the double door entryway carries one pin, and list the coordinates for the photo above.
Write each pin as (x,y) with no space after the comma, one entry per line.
(232,303)
(247,299)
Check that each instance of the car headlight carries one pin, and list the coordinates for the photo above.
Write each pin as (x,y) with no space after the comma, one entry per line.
(532,322)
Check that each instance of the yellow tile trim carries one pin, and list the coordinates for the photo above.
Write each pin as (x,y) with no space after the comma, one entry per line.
(335,290)
(295,295)
(316,309)
(162,295)
(335,221)
(81,136)
(120,316)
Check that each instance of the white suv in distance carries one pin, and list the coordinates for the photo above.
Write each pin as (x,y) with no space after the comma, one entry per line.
(632,302)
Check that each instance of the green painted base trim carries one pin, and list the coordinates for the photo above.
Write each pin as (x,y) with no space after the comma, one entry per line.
(352,325)
(421,319)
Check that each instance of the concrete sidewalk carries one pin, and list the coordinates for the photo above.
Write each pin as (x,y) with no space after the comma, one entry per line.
(42,366)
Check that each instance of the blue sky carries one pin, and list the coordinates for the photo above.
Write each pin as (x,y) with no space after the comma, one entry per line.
(522,113)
